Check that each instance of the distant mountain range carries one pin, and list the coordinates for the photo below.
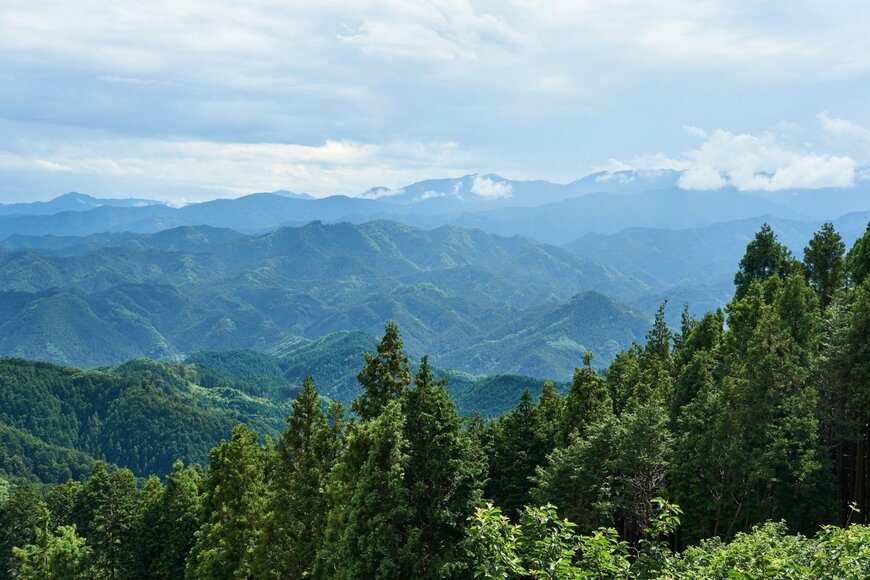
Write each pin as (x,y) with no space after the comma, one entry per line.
(70,202)
(603,203)
(462,264)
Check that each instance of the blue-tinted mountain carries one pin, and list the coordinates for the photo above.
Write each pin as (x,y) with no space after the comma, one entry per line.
(696,266)
(554,213)
(72,201)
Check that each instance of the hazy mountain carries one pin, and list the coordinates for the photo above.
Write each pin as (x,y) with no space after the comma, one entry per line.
(555,213)
(697,265)
(607,213)
(72,201)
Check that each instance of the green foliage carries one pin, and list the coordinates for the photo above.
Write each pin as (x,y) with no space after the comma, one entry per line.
(233,509)
(444,476)
(367,530)
(296,511)
(142,415)
(59,556)
(764,257)
(519,446)
(21,515)
(384,376)
(823,263)
(858,259)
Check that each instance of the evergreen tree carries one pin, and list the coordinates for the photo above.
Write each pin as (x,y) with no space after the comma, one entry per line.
(748,442)
(764,257)
(297,507)
(578,476)
(518,448)
(62,501)
(385,375)
(179,517)
(109,508)
(368,524)
(146,535)
(858,401)
(22,513)
(698,358)
(443,476)
(59,556)
(622,376)
(551,410)
(858,259)
(823,263)
(233,510)
(586,400)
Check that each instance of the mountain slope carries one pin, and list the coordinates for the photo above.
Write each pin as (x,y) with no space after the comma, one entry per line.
(191,289)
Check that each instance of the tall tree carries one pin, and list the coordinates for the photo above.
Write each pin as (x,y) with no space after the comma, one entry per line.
(859,399)
(587,398)
(109,508)
(297,508)
(764,257)
(368,524)
(823,263)
(21,514)
(858,259)
(518,448)
(444,476)
(385,375)
(180,515)
(233,509)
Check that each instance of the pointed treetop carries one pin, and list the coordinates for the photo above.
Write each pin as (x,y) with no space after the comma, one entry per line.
(385,375)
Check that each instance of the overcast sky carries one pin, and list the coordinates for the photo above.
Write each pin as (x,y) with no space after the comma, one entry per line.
(187,99)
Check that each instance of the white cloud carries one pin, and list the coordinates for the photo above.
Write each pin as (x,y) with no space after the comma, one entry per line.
(488,188)
(239,168)
(760,162)
(751,162)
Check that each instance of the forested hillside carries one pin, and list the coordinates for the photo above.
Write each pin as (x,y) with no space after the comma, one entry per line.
(735,446)
(109,298)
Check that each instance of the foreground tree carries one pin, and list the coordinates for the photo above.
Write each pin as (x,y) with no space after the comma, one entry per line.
(233,510)
(823,263)
(59,556)
(443,477)
(385,375)
(297,508)
(764,257)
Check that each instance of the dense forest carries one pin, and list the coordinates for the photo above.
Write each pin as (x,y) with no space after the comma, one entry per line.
(734,446)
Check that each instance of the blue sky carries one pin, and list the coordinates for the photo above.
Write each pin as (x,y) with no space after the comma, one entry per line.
(188,100)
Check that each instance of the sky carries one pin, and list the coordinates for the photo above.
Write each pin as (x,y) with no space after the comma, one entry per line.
(185,100)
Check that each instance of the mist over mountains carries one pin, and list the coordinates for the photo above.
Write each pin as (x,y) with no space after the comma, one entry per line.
(470,268)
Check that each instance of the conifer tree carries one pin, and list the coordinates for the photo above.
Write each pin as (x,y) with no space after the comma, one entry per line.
(297,507)
(367,529)
(518,448)
(586,400)
(233,510)
(179,517)
(859,401)
(385,375)
(443,476)
(109,507)
(145,537)
(551,410)
(21,514)
(764,257)
(858,259)
(823,263)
